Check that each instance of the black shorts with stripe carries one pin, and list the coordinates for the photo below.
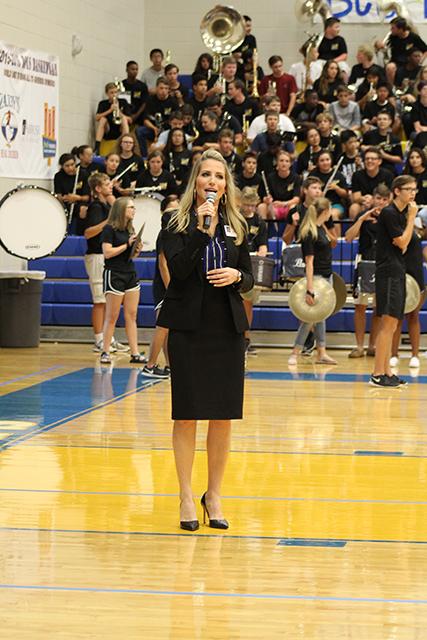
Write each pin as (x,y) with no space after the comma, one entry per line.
(120,282)
(390,295)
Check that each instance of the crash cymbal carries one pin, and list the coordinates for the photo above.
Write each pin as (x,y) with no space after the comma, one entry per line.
(413,294)
(340,289)
(324,300)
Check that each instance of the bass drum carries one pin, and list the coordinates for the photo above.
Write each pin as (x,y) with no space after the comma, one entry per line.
(33,222)
(147,209)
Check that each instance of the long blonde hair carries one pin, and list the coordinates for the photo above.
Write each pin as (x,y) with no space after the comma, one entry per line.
(117,215)
(309,223)
(180,221)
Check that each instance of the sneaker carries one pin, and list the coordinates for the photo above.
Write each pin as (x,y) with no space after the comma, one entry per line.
(105,358)
(167,370)
(400,381)
(97,347)
(309,345)
(154,372)
(394,361)
(356,353)
(293,359)
(118,346)
(138,358)
(414,362)
(383,381)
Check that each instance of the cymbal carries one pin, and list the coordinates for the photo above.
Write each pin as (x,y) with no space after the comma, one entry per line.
(340,289)
(324,300)
(413,294)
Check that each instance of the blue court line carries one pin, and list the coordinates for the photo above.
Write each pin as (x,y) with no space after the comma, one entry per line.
(211,594)
(379,453)
(175,495)
(311,542)
(56,401)
(150,534)
(323,377)
(29,375)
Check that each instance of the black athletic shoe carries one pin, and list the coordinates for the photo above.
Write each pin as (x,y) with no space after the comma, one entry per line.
(154,372)
(138,358)
(309,345)
(401,382)
(383,381)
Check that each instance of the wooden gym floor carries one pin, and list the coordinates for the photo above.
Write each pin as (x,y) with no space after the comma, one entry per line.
(326,493)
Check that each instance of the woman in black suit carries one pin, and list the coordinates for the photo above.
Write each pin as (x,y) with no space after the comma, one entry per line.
(209,263)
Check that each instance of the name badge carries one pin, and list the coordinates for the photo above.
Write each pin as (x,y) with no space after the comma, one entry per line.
(229,231)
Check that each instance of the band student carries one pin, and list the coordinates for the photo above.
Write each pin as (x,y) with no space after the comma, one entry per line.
(394,232)
(120,279)
(209,263)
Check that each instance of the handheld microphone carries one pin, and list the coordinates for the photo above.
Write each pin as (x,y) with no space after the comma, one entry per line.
(210,197)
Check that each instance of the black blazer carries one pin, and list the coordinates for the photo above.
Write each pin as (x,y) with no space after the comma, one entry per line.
(182,305)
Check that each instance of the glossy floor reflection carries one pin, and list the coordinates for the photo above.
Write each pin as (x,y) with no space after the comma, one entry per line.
(326,493)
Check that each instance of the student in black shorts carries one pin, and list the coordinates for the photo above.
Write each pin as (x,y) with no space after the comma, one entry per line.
(120,280)
(394,232)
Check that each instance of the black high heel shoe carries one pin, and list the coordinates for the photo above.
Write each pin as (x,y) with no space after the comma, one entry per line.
(189,525)
(213,523)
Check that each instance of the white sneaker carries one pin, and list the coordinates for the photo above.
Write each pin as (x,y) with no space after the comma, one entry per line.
(118,346)
(97,347)
(292,359)
(394,361)
(414,362)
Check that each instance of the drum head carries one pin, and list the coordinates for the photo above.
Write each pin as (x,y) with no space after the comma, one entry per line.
(147,209)
(33,222)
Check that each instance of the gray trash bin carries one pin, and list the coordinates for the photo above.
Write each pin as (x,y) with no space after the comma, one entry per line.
(20,308)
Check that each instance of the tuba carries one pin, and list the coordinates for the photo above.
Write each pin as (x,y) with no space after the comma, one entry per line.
(306,11)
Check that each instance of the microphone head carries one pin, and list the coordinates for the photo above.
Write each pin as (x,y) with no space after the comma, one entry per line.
(210,196)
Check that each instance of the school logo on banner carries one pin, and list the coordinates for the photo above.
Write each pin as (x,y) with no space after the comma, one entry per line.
(9,126)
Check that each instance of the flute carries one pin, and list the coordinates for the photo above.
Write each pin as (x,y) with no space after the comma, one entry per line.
(76,180)
(159,187)
(334,173)
(129,168)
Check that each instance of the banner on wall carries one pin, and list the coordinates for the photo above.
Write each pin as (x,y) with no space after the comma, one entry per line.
(357,11)
(29,114)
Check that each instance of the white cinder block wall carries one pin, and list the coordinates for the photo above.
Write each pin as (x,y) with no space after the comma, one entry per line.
(112,32)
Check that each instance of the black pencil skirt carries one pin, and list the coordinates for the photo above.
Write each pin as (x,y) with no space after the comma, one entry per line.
(207,365)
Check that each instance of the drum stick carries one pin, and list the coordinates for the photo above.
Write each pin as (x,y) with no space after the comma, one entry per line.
(76,180)
(137,241)
(129,168)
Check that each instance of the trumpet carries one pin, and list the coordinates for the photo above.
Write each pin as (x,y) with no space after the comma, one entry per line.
(117,114)
(272,88)
(254,92)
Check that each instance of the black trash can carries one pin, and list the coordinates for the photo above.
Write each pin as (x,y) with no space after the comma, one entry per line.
(20,308)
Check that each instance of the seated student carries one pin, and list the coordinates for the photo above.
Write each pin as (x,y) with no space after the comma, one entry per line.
(258,125)
(156,71)
(305,113)
(365,65)
(367,89)
(306,160)
(382,103)
(160,283)
(85,155)
(227,150)
(176,121)
(158,109)
(156,176)
(226,119)
(96,219)
(249,43)
(284,188)
(388,145)
(178,158)
(208,138)
(72,190)
(138,92)
(198,99)
(204,67)
(299,69)
(416,166)
(239,104)
(112,162)
(260,144)
(327,85)
(329,139)
(257,239)
(365,180)
(335,191)
(176,88)
(228,72)
(267,160)
(345,112)
(365,230)
(406,76)
(112,116)
(248,175)
(332,46)
(418,116)
(281,84)
(401,41)
(351,156)
(127,148)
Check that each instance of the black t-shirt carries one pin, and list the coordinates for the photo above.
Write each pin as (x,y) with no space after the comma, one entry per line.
(401,47)
(413,258)
(234,163)
(358,71)
(138,95)
(389,143)
(302,210)
(302,113)
(64,185)
(243,182)
(366,184)
(306,157)
(182,90)
(206,137)
(228,121)
(131,175)
(283,189)
(158,111)
(97,212)
(367,238)
(248,44)
(372,109)
(331,93)
(178,163)
(406,75)
(198,107)
(257,232)
(114,129)
(333,144)
(165,180)
(421,178)
(331,194)
(419,113)
(159,289)
(116,238)
(331,48)
(321,250)
(391,224)
(348,168)
(249,108)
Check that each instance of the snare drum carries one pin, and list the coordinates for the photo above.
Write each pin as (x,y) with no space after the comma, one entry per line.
(262,269)
(147,209)
(33,222)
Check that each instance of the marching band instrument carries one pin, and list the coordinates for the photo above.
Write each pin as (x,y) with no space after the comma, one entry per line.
(413,294)
(340,288)
(147,212)
(254,92)
(262,269)
(332,176)
(137,242)
(272,88)
(117,114)
(144,190)
(306,10)
(76,181)
(325,300)
(132,167)
(168,57)
(402,12)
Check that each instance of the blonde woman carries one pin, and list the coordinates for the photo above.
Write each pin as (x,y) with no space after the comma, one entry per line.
(121,283)
(209,264)
(316,241)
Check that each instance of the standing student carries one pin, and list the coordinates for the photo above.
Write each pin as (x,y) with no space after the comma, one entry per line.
(209,263)
(121,283)
(394,233)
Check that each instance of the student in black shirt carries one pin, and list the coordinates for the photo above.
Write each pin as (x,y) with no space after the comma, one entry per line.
(156,176)
(198,100)
(178,158)
(365,180)
(121,186)
(373,107)
(228,152)
(401,42)
(307,159)
(329,140)
(127,147)
(419,110)
(244,109)
(208,132)
(176,88)
(365,65)
(85,155)
(284,187)
(121,283)
(394,232)
(365,229)
(72,190)
(158,109)
(112,116)
(388,145)
(408,74)
(352,159)
(305,113)
(416,166)
(249,43)
(336,192)
(248,176)
(204,67)
(225,119)
(138,91)
(332,45)
(327,85)
(316,242)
